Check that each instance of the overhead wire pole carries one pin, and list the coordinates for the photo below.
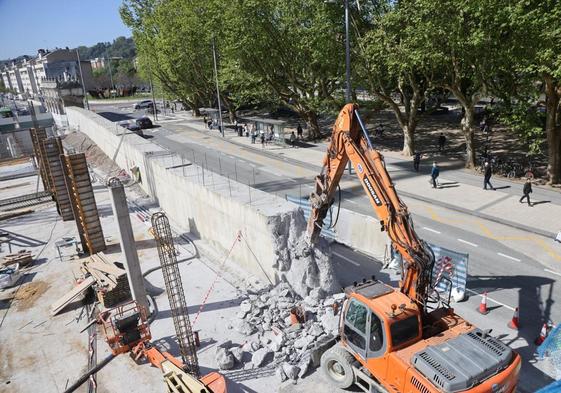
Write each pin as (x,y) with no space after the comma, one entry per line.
(348,95)
(347,54)
(82,80)
(217,88)
(110,74)
(153,95)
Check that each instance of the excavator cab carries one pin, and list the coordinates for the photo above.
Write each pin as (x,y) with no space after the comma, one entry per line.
(387,345)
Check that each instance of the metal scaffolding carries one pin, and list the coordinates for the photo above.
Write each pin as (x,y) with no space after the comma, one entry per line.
(176,295)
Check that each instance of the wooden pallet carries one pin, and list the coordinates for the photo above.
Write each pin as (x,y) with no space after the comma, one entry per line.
(22,257)
(112,286)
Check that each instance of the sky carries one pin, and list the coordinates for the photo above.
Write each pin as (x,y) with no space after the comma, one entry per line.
(28,25)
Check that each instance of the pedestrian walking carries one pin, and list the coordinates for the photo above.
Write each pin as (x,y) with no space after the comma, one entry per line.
(263,140)
(527,190)
(435,172)
(487,176)
(417,161)
(205,121)
(299,131)
(441,142)
(292,139)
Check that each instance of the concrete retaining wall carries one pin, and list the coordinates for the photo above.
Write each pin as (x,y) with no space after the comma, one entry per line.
(216,210)
(362,233)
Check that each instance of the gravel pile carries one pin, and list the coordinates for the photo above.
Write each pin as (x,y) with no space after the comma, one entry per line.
(291,343)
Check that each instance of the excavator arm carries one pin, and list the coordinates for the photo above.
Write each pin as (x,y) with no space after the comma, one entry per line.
(350,141)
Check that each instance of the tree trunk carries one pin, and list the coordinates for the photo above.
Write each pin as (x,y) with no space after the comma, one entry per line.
(553,132)
(196,112)
(467,128)
(232,115)
(313,126)
(408,141)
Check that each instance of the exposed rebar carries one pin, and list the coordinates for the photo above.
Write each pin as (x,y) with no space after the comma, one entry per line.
(176,294)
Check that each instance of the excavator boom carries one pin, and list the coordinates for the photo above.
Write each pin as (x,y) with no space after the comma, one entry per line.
(350,141)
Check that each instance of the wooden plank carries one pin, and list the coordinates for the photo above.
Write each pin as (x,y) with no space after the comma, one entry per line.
(107,268)
(59,305)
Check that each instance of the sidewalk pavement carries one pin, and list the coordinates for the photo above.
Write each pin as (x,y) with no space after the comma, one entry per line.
(460,190)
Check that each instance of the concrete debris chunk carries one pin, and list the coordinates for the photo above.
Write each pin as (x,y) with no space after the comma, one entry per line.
(245,306)
(299,266)
(304,364)
(261,357)
(224,359)
(316,330)
(290,370)
(330,322)
(243,327)
(237,353)
(279,372)
(303,342)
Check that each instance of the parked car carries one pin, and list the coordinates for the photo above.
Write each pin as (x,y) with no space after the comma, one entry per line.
(132,127)
(143,104)
(144,122)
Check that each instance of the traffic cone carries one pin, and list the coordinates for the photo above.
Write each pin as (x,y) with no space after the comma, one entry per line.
(543,334)
(483,305)
(514,323)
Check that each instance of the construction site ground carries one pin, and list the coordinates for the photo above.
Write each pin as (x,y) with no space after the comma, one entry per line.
(43,353)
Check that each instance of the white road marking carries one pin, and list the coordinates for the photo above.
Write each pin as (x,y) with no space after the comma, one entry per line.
(431,230)
(345,258)
(491,299)
(552,272)
(508,256)
(466,242)
(351,201)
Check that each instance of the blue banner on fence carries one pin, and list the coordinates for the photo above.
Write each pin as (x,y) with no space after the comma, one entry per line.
(307,209)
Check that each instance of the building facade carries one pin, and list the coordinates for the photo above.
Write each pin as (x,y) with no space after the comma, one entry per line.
(26,78)
(97,63)
(15,79)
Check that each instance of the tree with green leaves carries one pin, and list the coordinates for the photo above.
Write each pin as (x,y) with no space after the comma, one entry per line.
(292,47)
(391,63)
(462,46)
(537,43)
(173,40)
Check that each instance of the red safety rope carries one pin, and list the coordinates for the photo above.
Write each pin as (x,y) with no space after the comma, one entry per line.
(218,275)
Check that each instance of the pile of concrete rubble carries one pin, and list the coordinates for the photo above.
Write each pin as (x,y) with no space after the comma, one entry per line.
(283,331)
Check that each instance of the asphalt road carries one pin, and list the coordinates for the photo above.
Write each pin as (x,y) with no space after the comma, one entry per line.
(507,269)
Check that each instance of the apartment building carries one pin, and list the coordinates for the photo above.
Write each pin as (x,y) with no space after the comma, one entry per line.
(26,78)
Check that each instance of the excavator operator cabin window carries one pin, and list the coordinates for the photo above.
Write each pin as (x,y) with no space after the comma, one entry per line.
(355,324)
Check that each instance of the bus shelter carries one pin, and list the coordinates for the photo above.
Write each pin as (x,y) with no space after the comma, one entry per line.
(212,114)
(263,125)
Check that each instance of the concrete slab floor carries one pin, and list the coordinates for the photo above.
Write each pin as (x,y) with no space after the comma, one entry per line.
(47,354)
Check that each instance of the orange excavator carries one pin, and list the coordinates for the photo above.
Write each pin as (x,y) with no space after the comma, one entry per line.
(406,339)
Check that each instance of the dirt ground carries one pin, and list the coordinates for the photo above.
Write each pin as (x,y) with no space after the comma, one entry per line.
(29,293)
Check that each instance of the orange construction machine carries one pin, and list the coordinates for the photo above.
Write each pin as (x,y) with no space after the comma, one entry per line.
(404,339)
(126,329)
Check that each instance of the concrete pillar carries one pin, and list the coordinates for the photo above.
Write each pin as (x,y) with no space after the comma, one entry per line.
(128,246)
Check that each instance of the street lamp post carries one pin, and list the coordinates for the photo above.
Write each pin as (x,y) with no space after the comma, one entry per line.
(82,80)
